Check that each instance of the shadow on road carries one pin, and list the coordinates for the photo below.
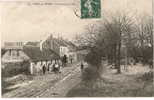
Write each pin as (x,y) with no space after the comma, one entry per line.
(115,85)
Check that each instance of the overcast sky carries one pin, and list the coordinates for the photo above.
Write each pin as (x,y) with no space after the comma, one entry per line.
(24,22)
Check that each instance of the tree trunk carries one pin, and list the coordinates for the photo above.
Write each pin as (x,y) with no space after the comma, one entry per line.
(118,57)
(115,54)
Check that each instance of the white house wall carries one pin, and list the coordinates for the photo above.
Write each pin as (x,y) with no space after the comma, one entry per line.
(13,57)
(64,51)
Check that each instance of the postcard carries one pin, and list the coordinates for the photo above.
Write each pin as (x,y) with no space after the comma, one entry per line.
(76,48)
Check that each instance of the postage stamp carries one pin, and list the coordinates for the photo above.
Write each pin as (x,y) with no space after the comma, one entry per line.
(90,8)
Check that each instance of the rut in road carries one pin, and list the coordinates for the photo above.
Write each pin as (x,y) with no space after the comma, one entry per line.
(39,87)
(62,87)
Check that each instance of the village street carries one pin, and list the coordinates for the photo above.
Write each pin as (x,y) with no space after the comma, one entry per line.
(49,85)
(68,83)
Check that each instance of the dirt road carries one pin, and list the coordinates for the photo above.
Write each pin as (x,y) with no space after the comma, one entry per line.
(50,85)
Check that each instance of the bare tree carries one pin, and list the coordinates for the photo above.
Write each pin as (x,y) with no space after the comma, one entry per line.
(115,34)
(144,36)
(118,32)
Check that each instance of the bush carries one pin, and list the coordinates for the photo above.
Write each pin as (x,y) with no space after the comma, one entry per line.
(12,69)
(93,58)
(90,73)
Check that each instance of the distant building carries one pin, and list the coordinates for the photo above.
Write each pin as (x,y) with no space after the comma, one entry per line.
(33,44)
(60,46)
(14,55)
(63,47)
(50,43)
(13,52)
(13,45)
(38,57)
(35,54)
(72,51)
(82,52)
(69,49)
(17,52)
(64,51)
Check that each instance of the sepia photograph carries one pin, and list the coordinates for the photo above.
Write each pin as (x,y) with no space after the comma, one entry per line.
(76,48)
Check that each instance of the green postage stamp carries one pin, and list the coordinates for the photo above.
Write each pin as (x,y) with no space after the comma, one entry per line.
(90,8)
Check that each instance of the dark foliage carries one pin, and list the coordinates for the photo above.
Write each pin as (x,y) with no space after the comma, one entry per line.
(90,73)
(12,69)
(93,58)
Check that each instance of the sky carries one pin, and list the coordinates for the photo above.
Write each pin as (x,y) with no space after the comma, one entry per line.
(26,21)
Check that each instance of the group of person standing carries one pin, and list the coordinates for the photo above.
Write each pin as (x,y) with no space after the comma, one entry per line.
(52,66)
(43,67)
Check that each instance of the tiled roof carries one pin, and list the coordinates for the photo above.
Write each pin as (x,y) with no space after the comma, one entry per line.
(36,54)
(83,47)
(32,43)
(60,42)
(71,44)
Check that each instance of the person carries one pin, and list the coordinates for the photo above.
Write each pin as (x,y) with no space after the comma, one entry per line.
(82,66)
(48,66)
(44,69)
(64,60)
(150,62)
(32,68)
(57,65)
(71,60)
(60,65)
(39,67)
(54,66)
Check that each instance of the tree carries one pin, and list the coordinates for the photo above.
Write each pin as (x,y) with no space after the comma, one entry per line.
(117,31)
(144,36)
(115,35)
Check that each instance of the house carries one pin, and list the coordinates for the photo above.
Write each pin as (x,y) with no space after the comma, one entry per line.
(50,42)
(30,52)
(35,54)
(72,51)
(38,57)
(58,45)
(33,44)
(63,48)
(67,48)
(13,52)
